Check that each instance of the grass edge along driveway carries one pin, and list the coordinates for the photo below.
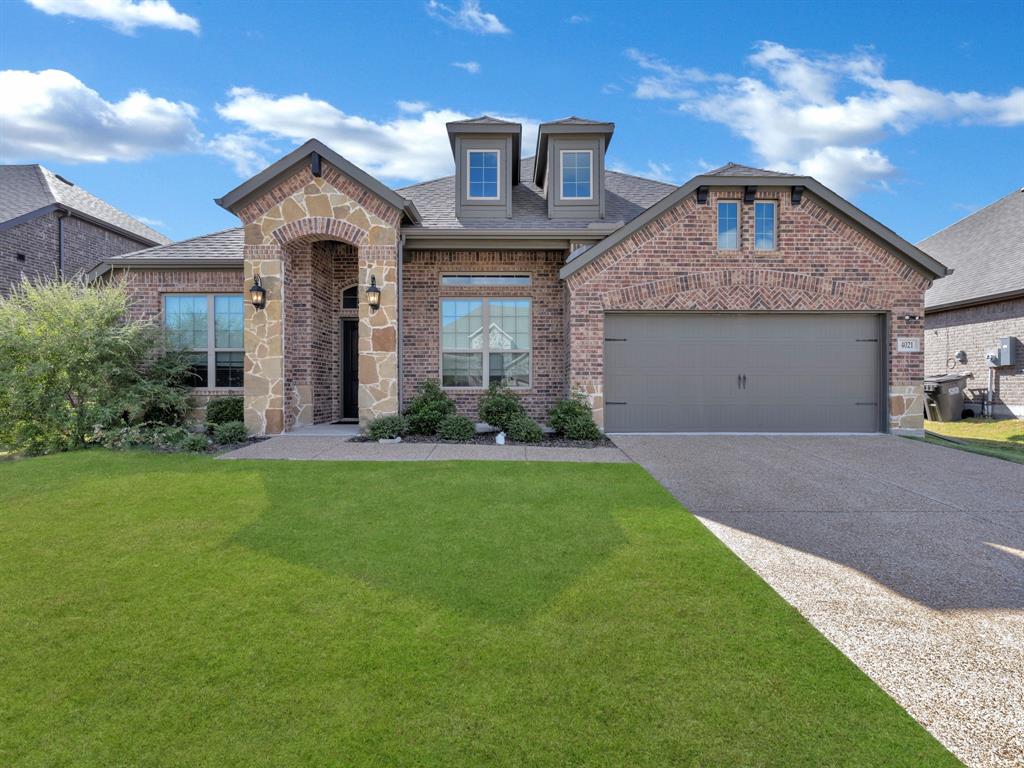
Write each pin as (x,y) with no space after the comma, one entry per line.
(173,610)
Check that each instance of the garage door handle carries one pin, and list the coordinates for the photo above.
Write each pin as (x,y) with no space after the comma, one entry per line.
(615,402)
(739,381)
(744,381)
(607,339)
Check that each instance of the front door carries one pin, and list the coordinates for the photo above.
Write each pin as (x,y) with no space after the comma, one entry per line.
(350,369)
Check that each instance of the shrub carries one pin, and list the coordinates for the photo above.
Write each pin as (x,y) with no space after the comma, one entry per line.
(142,436)
(230,432)
(572,418)
(500,406)
(456,427)
(196,443)
(523,429)
(428,409)
(73,359)
(387,427)
(224,409)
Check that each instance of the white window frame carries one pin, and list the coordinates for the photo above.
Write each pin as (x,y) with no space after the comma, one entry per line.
(211,349)
(775,224)
(485,351)
(527,275)
(718,216)
(561,174)
(497,154)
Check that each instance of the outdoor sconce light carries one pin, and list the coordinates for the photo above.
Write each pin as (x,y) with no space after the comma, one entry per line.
(257,293)
(373,294)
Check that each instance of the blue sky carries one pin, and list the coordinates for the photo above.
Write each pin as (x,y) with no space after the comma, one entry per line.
(915,111)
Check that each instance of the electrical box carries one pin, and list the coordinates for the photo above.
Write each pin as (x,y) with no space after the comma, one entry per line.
(1007,351)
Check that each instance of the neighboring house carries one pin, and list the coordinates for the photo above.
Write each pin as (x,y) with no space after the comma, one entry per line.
(744,300)
(981,302)
(50,227)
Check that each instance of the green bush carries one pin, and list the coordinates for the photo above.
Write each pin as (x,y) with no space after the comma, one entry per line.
(572,418)
(428,409)
(142,436)
(224,409)
(523,429)
(195,443)
(230,432)
(387,427)
(500,406)
(74,360)
(456,427)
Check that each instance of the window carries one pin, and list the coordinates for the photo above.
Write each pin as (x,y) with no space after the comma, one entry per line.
(472,358)
(764,226)
(350,297)
(482,180)
(728,239)
(576,175)
(485,280)
(210,326)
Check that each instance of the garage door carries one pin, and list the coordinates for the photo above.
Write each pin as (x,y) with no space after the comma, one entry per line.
(744,372)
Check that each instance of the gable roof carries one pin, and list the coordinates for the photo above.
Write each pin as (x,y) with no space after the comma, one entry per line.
(566,126)
(626,197)
(722,177)
(485,124)
(217,249)
(27,191)
(735,169)
(986,250)
(287,164)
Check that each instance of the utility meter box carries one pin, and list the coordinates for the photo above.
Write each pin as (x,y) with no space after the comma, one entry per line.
(1007,352)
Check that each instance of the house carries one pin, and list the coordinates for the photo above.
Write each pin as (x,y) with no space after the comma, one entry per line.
(968,313)
(743,300)
(50,227)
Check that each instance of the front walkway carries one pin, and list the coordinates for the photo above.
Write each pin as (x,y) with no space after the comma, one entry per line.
(335,447)
(908,556)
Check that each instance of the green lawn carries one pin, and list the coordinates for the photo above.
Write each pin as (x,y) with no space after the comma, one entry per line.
(1002,438)
(160,610)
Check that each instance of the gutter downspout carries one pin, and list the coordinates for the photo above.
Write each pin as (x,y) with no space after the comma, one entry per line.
(398,316)
(61,213)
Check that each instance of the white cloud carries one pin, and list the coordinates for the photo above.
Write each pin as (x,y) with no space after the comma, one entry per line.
(578,18)
(52,114)
(472,67)
(249,154)
(819,114)
(155,223)
(414,107)
(652,170)
(409,147)
(469,17)
(124,15)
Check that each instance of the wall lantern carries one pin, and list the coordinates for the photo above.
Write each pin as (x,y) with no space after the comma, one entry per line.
(257,293)
(373,294)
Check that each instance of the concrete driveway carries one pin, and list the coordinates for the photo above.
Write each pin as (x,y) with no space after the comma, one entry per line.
(908,556)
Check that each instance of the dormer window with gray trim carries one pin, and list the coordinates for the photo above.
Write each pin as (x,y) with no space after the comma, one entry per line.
(482,180)
(570,167)
(577,174)
(486,153)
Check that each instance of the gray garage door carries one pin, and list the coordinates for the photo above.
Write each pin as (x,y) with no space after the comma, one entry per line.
(672,372)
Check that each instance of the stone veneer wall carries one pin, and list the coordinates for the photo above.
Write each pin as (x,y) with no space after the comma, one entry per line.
(421,322)
(821,263)
(281,227)
(975,331)
(147,287)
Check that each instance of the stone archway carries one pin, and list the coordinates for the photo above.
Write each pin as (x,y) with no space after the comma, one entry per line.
(285,381)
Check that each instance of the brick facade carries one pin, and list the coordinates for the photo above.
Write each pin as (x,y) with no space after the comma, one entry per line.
(421,323)
(31,249)
(975,331)
(147,287)
(821,263)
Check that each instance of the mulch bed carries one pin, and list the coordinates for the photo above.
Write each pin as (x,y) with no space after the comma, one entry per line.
(549,441)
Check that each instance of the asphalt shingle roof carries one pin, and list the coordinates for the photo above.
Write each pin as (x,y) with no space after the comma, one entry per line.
(735,169)
(985,252)
(226,244)
(626,197)
(25,189)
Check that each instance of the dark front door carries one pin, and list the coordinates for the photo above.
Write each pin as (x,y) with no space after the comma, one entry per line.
(350,369)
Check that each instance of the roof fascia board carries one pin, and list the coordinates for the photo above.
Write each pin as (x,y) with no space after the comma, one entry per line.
(249,189)
(911,253)
(480,243)
(154,262)
(596,233)
(26,217)
(973,302)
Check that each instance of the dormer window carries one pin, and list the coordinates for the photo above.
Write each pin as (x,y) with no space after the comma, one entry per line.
(577,174)
(483,177)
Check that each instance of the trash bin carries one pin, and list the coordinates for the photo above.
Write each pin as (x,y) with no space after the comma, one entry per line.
(944,396)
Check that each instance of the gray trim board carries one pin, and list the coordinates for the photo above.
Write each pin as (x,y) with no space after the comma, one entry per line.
(911,253)
(243,192)
(164,263)
(975,302)
(26,217)
(572,127)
